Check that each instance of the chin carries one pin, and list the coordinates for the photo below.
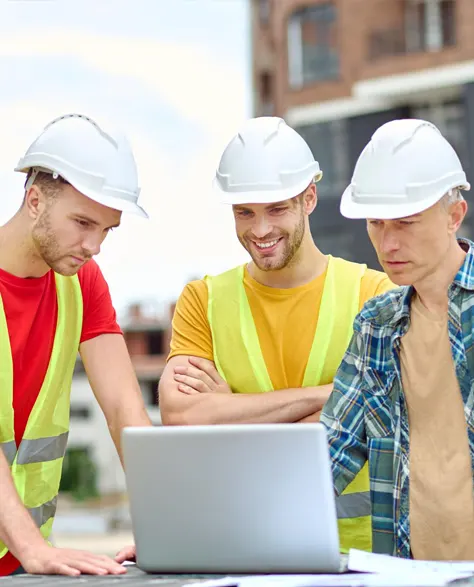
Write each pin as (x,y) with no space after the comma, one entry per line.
(63,269)
(399,278)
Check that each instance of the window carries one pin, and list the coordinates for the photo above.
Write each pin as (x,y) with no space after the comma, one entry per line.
(430,25)
(412,26)
(312,45)
(328,141)
(80,412)
(155,342)
(266,94)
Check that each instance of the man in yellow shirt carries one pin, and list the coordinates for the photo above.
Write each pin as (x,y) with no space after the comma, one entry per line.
(281,323)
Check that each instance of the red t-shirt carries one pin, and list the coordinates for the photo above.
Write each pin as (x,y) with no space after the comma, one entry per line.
(31,311)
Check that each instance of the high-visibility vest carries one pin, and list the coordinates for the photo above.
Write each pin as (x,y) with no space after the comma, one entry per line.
(36,464)
(239,360)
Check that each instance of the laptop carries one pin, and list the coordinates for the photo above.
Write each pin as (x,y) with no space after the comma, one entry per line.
(232,499)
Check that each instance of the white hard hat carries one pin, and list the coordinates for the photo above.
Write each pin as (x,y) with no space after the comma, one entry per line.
(267,161)
(97,164)
(406,168)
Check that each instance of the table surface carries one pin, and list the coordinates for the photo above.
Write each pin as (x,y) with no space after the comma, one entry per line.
(134,578)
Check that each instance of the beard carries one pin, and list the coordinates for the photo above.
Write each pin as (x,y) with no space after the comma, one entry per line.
(47,246)
(285,257)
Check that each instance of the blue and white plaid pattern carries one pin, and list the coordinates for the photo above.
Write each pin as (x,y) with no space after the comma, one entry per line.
(366,415)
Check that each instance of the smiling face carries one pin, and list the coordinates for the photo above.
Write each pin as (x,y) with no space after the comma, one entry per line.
(273,233)
(412,249)
(68,228)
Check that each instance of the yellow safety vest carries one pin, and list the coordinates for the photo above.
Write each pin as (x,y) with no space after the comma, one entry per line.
(239,360)
(36,464)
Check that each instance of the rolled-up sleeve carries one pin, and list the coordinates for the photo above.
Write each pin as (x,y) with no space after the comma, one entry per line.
(343,416)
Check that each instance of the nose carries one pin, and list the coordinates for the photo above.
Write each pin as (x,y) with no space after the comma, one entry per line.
(261,227)
(389,242)
(91,245)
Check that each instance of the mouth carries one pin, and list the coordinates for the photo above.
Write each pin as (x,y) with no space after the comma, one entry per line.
(268,246)
(395,264)
(78,260)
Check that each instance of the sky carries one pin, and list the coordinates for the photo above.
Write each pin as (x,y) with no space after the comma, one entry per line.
(175,75)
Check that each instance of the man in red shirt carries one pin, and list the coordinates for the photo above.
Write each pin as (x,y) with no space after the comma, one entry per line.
(79,181)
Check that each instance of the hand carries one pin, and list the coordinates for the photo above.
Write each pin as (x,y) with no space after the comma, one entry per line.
(200,377)
(128,553)
(48,560)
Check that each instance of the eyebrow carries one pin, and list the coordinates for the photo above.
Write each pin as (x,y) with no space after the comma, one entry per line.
(94,222)
(409,217)
(274,205)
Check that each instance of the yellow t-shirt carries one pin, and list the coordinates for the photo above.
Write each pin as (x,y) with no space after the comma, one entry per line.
(285,320)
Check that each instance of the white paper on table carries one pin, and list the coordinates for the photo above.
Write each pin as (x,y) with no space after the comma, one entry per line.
(367,562)
(423,578)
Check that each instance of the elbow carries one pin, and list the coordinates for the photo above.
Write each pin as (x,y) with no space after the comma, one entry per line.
(173,418)
(190,416)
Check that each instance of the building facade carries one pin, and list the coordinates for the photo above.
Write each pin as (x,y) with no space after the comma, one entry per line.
(338,69)
(147,341)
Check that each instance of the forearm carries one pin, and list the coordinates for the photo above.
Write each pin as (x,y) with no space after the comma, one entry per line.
(312,418)
(123,417)
(17,529)
(285,406)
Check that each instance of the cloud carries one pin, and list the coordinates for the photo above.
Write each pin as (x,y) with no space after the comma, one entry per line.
(189,233)
(203,86)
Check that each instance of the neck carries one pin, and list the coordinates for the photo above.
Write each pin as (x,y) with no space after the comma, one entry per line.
(17,252)
(433,290)
(307,264)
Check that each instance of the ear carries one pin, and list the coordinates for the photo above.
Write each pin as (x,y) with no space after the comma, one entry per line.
(310,199)
(35,202)
(457,213)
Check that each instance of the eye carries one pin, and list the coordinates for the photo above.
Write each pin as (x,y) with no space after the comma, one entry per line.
(279,210)
(82,223)
(406,222)
(243,213)
(375,222)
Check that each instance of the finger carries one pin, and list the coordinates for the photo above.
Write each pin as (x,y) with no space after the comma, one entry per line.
(186,389)
(86,568)
(63,569)
(126,554)
(112,566)
(206,366)
(196,384)
(94,564)
(196,374)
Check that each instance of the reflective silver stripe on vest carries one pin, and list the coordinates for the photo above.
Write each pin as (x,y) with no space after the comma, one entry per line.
(43,513)
(42,449)
(353,505)
(9,449)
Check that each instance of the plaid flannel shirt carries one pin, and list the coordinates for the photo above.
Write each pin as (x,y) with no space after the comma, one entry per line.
(366,415)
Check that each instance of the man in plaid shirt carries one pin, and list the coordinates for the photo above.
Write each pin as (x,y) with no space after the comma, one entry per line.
(403,396)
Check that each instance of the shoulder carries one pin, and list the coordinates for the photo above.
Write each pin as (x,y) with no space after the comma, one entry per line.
(383,309)
(374,283)
(194,293)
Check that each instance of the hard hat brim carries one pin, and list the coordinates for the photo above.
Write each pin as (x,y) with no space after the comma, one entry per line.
(262,196)
(358,211)
(119,204)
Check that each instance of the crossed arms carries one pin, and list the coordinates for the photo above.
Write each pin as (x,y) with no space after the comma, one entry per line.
(192,392)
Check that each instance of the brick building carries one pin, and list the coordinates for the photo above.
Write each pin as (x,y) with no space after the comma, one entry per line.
(337,69)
